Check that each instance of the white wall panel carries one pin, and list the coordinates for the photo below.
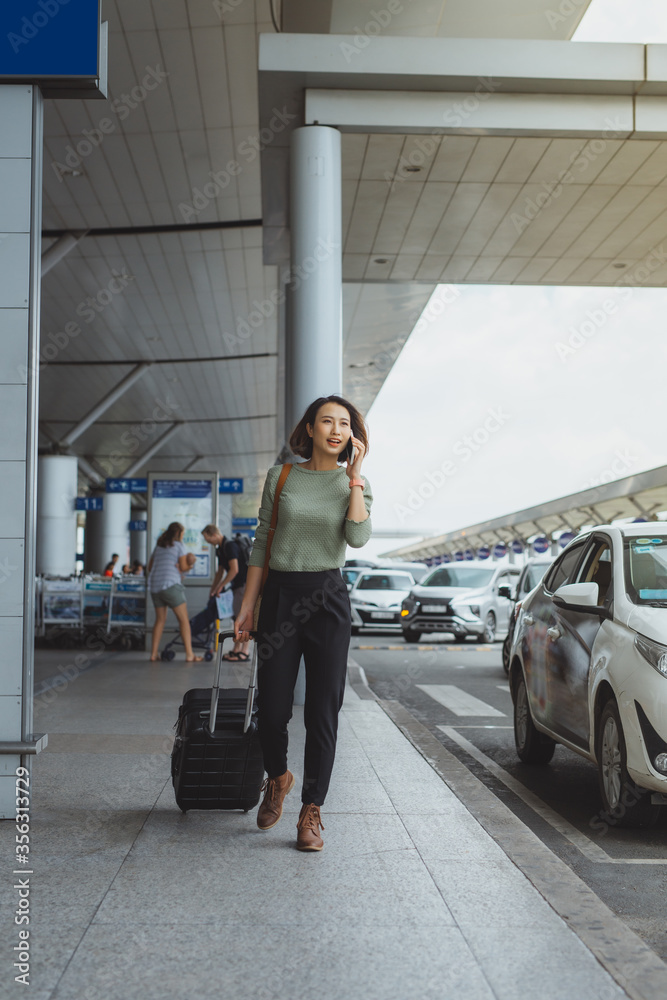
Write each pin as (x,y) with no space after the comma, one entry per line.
(11,576)
(13,416)
(13,346)
(11,644)
(14,269)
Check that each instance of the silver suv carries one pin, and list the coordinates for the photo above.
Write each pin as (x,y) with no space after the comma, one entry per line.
(462,598)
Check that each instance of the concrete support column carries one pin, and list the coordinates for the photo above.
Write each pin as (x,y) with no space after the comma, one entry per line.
(56,516)
(108,531)
(315,314)
(20,265)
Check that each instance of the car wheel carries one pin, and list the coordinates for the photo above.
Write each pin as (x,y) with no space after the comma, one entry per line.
(532,746)
(507,645)
(411,635)
(490,627)
(624,802)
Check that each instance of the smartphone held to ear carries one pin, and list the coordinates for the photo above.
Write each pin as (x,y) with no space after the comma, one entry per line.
(349,451)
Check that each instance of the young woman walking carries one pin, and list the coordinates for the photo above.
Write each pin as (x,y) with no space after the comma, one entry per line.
(305,606)
(169,561)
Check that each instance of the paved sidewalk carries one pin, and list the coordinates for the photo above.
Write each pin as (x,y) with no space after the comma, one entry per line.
(131,899)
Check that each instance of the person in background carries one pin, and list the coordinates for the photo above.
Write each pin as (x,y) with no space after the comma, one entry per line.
(166,566)
(111,566)
(232,568)
(137,568)
(127,569)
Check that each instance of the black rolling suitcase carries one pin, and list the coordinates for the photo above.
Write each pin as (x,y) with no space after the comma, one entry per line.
(220,766)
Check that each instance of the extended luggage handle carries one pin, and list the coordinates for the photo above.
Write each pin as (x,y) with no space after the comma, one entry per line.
(215,690)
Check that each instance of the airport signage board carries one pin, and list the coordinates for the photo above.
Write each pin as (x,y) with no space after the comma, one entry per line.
(499,550)
(89,503)
(484,552)
(191,499)
(231,486)
(541,543)
(53,43)
(126,485)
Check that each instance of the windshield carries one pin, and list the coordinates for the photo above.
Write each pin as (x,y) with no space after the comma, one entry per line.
(385,581)
(645,561)
(534,575)
(350,575)
(458,576)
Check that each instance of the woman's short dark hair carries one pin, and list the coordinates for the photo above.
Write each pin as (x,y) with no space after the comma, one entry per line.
(168,537)
(302,444)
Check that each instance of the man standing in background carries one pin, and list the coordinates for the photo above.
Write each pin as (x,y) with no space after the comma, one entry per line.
(233,569)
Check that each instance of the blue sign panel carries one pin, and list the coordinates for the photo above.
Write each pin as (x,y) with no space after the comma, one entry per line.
(458,556)
(244,522)
(566,538)
(126,485)
(499,550)
(137,525)
(49,38)
(89,503)
(484,552)
(230,486)
(517,546)
(180,489)
(469,554)
(541,543)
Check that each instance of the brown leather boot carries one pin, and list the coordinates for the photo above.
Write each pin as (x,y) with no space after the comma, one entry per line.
(271,808)
(308,829)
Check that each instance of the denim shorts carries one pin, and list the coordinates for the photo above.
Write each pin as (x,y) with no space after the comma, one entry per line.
(171,597)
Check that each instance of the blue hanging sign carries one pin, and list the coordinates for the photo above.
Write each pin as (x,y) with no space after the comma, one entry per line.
(499,550)
(137,525)
(54,40)
(484,552)
(89,503)
(517,546)
(566,538)
(541,543)
(126,485)
(469,554)
(244,522)
(230,486)
(458,556)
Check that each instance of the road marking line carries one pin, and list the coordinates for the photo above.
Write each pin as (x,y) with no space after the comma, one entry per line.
(457,701)
(504,687)
(578,839)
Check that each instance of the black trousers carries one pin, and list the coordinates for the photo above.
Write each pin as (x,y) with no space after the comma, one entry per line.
(302,614)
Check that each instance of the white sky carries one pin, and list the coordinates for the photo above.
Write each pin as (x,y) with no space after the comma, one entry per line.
(567,424)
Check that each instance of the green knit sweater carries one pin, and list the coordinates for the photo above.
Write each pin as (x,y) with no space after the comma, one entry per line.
(312,529)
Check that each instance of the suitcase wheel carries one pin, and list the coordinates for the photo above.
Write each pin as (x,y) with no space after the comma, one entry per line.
(208,655)
(167,654)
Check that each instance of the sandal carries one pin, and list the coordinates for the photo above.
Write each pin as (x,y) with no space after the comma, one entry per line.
(232,657)
(242,657)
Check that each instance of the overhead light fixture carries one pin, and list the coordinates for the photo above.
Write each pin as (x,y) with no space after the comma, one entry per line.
(412,170)
(381,260)
(361,364)
(620,265)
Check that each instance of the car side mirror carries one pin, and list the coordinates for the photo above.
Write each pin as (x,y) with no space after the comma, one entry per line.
(581,597)
(349,586)
(505,591)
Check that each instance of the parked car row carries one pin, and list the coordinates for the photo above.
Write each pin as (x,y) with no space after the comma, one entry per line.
(588,666)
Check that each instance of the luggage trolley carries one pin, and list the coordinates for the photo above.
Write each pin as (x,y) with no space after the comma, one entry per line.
(61,612)
(127,611)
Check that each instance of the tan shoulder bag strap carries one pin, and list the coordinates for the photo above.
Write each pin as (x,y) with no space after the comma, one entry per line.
(286,469)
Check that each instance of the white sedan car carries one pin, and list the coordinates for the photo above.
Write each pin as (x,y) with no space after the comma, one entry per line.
(376,598)
(588,666)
